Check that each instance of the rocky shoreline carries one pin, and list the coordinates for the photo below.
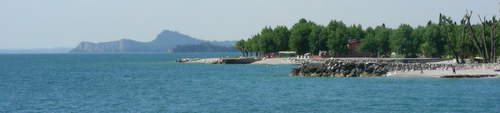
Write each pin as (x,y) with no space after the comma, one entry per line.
(367,67)
(342,68)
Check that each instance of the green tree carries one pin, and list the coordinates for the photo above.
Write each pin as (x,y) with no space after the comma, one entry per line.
(382,35)
(370,44)
(266,42)
(355,32)
(376,41)
(254,45)
(433,42)
(282,35)
(299,36)
(402,41)
(240,45)
(316,41)
(337,37)
(337,42)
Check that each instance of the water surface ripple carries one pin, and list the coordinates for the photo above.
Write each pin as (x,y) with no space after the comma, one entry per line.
(155,83)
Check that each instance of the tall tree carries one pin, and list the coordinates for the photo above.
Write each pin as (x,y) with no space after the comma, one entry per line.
(403,42)
(455,42)
(371,43)
(376,41)
(484,38)
(434,43)
(315,39)
(240,45)
(267,41)
(299,36)
(282,37)
(355,32)
(383,34)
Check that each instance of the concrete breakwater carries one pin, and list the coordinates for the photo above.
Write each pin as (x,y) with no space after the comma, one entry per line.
(360,68)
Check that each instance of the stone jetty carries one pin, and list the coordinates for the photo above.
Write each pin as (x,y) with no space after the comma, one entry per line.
(377,68)
(333,68)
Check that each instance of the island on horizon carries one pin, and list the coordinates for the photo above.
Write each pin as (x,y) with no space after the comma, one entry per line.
(165,42)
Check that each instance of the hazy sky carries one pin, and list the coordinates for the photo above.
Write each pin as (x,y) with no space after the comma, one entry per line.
(64,23)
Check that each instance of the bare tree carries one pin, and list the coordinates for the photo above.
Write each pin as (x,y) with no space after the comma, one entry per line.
(484,39)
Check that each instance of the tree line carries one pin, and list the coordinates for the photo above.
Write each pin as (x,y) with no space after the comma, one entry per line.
(443,39)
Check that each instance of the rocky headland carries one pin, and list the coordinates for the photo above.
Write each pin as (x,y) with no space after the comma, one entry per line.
(166,41)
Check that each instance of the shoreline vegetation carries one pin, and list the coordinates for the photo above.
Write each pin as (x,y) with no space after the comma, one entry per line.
(446,49)
(443,39)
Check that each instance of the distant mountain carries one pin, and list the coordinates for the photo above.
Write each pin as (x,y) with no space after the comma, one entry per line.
(36,50)
(166,41)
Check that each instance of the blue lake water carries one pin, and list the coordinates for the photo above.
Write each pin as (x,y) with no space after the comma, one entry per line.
(64,83)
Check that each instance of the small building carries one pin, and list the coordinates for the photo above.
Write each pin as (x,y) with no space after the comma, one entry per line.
(353,45)
(287,53)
